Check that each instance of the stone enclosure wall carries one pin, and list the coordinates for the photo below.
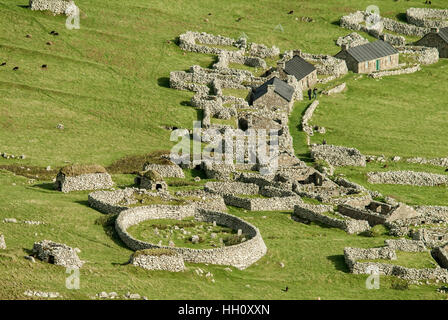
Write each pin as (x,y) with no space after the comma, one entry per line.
(241,255)
(428,18)
(168,262)
(316,213)
(407,178)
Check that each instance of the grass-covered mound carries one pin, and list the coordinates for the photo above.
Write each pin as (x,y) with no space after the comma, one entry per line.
(79,169)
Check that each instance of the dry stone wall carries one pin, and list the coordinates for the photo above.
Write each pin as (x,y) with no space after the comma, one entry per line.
(407,178)
(171,262)
(57,253)
(241,255)
(428,18)
(91,181)
(338,155)
(55,6)
(316,213)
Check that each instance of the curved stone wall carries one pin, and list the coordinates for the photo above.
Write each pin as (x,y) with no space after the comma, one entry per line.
(240,256)
(55,6)
(428,18)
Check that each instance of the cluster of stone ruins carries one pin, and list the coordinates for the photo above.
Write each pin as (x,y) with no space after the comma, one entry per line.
(270,99)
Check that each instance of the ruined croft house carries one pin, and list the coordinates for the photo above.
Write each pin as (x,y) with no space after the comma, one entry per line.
(274,92)
(82,177)
(437,38)
(303,71)
(370,57)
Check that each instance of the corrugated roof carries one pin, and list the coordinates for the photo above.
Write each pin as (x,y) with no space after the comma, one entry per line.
(444,34)
(298,67)
(372,51)
(280,87)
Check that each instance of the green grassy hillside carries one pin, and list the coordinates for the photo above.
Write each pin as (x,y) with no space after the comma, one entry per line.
(107,83)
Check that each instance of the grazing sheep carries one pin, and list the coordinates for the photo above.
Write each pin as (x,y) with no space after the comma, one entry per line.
(15,68)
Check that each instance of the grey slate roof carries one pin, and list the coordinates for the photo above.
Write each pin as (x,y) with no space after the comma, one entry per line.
(371,51)
(280,87)
(444,34)
(298,67)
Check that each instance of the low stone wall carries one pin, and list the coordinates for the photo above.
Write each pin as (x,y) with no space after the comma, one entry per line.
(55,6)
(338,89)
(424,55)
(396,41)
(441,162)
(108,201)
(57,253)
(338,155)
(91,181)
(172,262)
(354,21)
(373,218)
(223,188)
(407,178)
(428,18)
(307,117)
(316,213)
(380,74)
(351,256)
(240,256)
(263,204)
(406,245)
(351,40)
(173,171)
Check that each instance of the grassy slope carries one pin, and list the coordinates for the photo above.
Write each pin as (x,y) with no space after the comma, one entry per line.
(107,83)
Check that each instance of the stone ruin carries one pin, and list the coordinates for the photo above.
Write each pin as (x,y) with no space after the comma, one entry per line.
(57,253)
(150,180)
(338,155)
(83,177)
(66,7)
(378,212)
(353,255)
(441,255)
(319,213)
(158,259)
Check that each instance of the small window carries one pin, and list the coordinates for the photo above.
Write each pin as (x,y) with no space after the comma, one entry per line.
(367,64)
(390,59)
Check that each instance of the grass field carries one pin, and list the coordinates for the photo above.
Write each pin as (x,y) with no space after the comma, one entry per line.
(107,83)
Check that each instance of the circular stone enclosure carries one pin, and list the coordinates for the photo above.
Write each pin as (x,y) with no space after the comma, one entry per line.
(241,255)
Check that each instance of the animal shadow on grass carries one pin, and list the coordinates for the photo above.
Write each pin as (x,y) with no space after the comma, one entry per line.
(339,263)
(164,82)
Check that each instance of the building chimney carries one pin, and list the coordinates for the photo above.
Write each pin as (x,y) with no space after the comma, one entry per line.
(271,88)
(344,47)
(281,65)
(296,53)
(435,30)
